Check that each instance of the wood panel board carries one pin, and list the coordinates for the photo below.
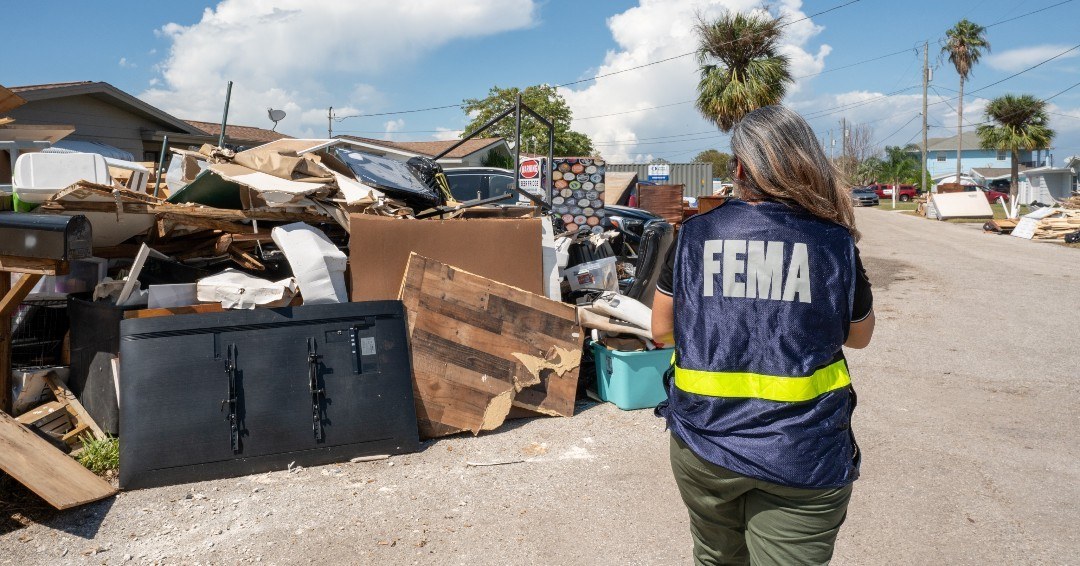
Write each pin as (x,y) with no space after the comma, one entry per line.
(48,472)
(470,339)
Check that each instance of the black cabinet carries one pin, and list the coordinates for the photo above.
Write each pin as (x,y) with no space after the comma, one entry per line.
(216,395)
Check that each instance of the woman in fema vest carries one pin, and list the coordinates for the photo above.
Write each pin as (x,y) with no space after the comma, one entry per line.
(760,295)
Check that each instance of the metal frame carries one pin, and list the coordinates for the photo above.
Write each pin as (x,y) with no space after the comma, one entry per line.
(516,111)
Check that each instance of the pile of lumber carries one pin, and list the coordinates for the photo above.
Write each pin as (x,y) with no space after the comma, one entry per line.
(1056,226)
(1073,203)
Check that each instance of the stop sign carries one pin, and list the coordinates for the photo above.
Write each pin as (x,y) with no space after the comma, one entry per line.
(529,169)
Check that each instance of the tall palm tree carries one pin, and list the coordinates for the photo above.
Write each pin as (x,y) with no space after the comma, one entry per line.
(741,66)
(1019,122)
(965,44)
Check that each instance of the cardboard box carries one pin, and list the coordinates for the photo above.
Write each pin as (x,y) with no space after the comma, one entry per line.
(509,251)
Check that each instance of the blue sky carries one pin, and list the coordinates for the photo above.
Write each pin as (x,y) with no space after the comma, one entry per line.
(380,56)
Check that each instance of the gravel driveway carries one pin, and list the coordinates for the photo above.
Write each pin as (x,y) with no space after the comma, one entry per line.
(968,418)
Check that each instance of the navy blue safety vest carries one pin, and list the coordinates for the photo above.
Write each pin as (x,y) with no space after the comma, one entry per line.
(763,297)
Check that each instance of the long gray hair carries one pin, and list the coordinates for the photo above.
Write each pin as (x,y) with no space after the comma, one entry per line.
(782,159)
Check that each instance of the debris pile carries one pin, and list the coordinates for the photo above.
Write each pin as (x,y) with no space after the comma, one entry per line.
(300,303)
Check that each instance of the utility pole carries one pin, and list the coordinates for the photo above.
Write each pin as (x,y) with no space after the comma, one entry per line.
(832,146)
(925,84)
(330,123)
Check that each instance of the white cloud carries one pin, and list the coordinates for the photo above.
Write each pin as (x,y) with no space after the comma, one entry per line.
(126,64)
(1019,59)
(655,30)
(292,55)
(392,126)
(443,134)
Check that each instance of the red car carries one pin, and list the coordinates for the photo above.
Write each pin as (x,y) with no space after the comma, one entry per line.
(905,193)
(991,195)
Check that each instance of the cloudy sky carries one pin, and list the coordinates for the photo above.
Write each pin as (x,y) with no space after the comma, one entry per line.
(396,69)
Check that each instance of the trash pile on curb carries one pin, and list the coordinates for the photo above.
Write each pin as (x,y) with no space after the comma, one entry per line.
(301,302)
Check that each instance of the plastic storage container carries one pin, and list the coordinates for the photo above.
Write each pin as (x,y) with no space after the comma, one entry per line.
(600,275)
(631,380)
(39,176)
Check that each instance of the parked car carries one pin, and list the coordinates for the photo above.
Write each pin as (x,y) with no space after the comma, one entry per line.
(1001,185)
(992,196)
(864,196)
(905,193)
(471,183)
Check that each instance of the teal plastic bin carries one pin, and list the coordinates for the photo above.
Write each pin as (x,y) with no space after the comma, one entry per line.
(631,380)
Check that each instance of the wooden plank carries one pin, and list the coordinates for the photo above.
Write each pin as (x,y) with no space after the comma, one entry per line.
(65,396)
(48,472)
(11,300)
(32,265)
(480,347)
(5,349)
(42,413)
(193,309)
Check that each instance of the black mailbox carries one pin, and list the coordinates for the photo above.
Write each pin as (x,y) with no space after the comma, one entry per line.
(45,236)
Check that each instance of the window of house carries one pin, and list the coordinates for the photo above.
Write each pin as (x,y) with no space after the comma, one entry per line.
(940,156)
(1001,155)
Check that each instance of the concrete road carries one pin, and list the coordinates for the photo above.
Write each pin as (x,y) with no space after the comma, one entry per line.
(968,418)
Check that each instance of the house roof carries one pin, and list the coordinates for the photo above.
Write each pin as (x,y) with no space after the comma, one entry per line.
(239,133)
(971,142)
(104,91)
(431,148)
(991,173)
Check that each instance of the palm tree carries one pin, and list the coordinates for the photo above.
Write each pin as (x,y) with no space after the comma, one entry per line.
(965,44)
(1019,122)
(741,66)
(870,170)
(899,166)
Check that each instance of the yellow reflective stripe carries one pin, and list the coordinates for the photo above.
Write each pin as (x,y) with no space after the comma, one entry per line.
(760,386)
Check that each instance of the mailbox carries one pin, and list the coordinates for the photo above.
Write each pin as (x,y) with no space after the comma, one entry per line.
(45,236)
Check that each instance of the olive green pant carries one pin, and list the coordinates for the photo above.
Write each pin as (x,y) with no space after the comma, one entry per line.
(738,520)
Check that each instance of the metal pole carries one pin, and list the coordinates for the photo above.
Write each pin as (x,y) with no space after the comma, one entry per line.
(551,159)
(225,115)
(925,84)
(517,141)
(330,123)
(474,133)
(161,164)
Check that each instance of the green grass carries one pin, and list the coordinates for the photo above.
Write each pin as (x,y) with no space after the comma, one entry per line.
(100,456)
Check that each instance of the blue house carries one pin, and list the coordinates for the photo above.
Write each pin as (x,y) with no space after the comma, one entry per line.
(941,156)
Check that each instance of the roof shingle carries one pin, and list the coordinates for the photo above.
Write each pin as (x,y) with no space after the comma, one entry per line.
(432,148)
(239,133)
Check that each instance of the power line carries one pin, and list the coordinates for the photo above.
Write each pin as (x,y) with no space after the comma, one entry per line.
(882,140)
(1028,14)
(634,68)
(642,66)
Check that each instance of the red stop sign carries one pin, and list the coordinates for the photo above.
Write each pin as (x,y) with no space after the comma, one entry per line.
(529,169)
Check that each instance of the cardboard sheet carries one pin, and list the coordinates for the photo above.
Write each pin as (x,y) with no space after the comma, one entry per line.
(274,190)
(509,251)
(317,264)
(962,205)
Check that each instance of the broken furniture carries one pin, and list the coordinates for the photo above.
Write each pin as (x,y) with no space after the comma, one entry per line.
(225,394)
(480,347)
(64,419)
(48,472)
(665,201)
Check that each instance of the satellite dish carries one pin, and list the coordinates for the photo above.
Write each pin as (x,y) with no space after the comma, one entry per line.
(275,116)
